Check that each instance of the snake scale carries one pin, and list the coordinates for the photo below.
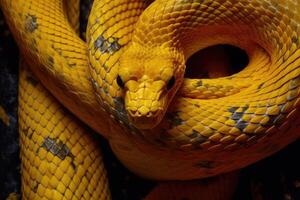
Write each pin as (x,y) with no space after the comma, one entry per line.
(127,83)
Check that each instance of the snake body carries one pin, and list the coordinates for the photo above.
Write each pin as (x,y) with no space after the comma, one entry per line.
(128,84)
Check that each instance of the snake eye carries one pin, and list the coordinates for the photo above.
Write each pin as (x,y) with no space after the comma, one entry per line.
(120,82)
(171,83)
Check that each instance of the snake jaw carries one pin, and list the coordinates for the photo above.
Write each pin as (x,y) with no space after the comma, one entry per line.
(147,121)
(145,106)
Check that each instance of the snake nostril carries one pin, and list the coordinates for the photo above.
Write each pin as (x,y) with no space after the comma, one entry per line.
(132,112)
(149,114)
(137,113)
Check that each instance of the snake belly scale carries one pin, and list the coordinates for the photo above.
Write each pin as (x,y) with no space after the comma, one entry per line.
(128,84)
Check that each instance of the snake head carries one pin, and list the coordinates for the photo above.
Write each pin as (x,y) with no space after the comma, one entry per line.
(150,79)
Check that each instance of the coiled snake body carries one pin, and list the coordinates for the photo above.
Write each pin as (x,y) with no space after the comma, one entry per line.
(128,84)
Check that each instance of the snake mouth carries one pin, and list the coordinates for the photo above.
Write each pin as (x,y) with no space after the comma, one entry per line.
(145,121)
(150,114)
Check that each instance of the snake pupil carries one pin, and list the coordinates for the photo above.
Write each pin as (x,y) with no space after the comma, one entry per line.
(171,83)
(120,82)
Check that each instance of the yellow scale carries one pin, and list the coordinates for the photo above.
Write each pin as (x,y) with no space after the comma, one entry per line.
(121,83)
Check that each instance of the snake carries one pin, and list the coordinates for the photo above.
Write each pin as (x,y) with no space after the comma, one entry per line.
(127,82)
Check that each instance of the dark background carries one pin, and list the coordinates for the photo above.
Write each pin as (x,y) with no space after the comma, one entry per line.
(277,177)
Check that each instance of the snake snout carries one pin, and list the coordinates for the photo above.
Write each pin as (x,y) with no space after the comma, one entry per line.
(145,103)
(144,111)
(144,117)
(144,121)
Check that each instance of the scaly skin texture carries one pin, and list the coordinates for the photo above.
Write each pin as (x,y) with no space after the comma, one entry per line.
(60,159)
(58,55)
(211,126)
(208,128)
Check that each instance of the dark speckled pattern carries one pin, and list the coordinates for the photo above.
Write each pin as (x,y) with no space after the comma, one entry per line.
(277,177)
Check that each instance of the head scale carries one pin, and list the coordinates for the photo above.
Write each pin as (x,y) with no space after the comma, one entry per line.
(149,79)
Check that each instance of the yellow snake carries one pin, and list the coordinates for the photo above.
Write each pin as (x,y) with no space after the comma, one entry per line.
(128,84)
